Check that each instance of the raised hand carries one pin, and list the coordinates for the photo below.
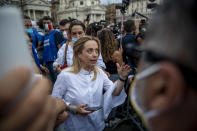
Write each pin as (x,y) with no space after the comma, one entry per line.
(123,70)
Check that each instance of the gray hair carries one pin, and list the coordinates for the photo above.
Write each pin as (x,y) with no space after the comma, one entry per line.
(173,32)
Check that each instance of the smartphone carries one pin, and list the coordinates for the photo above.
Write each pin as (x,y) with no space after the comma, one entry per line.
(13,44)
(14,50)
(93,108)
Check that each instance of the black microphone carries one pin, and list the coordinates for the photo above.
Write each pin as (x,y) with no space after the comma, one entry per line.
(133,14)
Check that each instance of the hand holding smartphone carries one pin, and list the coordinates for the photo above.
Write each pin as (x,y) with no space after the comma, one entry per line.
(93,108)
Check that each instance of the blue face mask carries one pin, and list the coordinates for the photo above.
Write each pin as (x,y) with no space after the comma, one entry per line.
(74,39)
(29,31)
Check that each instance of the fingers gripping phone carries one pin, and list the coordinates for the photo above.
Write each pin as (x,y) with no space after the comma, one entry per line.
(93,108)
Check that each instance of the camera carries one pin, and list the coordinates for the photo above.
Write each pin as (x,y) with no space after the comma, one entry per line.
(116,30)
(152,4)
(125,4)
(96,27)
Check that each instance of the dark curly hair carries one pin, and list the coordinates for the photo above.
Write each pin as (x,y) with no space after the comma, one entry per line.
(109,44)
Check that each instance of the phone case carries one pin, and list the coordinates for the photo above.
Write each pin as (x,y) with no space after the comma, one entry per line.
(93,108)
(13,45)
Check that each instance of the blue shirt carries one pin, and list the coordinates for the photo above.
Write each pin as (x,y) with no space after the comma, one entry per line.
(36,37)
(63,42)
(35,55)
(50,47)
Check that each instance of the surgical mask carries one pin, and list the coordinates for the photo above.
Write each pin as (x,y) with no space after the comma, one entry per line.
(145,115)
(29,31)
(74,39)
(65,35)
(47,27)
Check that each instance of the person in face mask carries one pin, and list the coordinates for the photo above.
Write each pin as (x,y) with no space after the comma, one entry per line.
(62,36)
(65,53)
(165,93)
(50,47)
(27,24)
(64,27)
(37,38)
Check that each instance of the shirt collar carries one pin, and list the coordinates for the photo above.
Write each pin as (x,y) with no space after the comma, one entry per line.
(85,72)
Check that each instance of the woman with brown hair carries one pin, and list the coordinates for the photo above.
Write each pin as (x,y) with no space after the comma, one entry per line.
(86,85)
(109,49)
(65,54)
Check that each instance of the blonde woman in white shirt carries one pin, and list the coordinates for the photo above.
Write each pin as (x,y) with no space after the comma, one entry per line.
(84,84)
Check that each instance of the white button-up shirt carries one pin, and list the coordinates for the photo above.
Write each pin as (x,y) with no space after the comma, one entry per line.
(77,89)
(69,57)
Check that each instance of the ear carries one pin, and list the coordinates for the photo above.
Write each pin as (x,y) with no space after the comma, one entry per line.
(167,87)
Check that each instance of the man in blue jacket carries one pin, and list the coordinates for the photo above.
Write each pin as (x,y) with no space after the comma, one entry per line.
(50,47)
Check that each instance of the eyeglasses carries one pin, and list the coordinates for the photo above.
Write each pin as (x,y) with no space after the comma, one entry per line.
(153,57)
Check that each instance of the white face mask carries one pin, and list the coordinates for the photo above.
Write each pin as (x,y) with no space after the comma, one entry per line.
(65,35)
(46,27)
(146,115)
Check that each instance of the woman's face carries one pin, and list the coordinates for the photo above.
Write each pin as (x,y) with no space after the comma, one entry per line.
(89,54)
(77,31)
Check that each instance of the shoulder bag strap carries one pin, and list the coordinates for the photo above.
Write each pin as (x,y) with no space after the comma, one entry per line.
(65,56)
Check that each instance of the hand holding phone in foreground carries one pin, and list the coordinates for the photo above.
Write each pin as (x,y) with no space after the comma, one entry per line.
(25,103)
(34,111)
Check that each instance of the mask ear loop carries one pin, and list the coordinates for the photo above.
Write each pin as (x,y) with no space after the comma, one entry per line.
(147,72)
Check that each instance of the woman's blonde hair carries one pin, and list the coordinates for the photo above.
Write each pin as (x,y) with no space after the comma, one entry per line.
(78,48)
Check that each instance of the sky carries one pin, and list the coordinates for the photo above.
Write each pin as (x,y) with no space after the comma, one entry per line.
(110,1)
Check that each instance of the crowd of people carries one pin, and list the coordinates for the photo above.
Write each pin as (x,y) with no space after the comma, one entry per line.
(85,68)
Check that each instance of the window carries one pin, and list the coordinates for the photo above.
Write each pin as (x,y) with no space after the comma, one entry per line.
(81,2)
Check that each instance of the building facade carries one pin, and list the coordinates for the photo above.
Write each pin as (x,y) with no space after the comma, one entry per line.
(139,6)
(110,15)
(80,9)
(54,9)
(35,9)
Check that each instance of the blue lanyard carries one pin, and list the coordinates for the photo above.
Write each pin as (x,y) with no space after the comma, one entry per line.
(130,35)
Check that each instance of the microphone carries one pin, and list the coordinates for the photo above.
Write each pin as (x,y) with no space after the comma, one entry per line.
(133,14)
